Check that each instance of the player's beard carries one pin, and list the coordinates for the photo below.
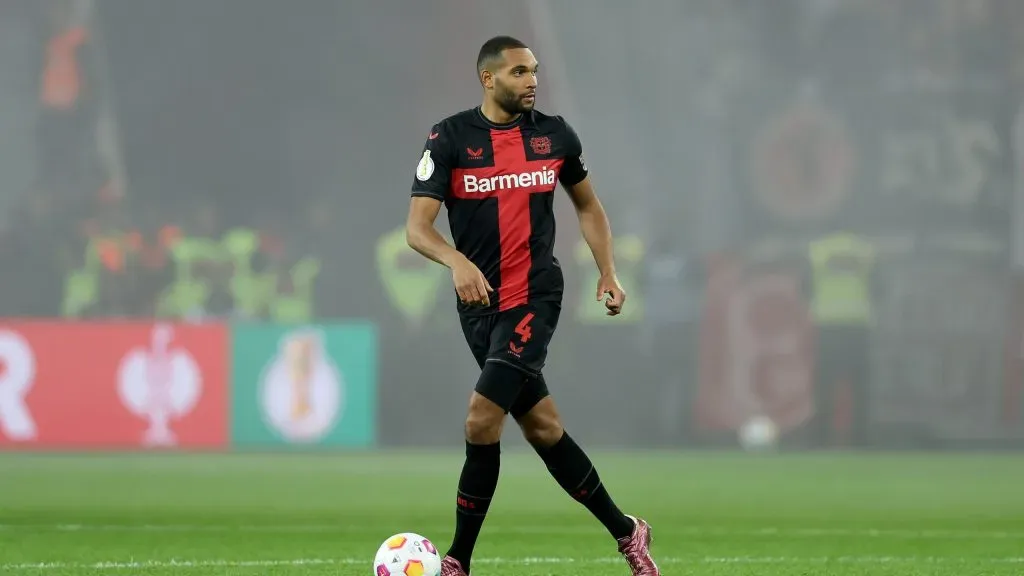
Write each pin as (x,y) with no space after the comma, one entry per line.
(511,102)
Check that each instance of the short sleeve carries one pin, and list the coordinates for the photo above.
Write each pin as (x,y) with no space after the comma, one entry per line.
(574,169)
(433,171)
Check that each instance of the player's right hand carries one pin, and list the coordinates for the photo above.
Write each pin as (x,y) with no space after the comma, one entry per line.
(470,284)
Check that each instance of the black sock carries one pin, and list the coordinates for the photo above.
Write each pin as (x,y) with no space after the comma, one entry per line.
(476,488)
(575,473)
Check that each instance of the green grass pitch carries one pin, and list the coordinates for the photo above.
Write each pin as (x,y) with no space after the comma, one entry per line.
(712,514)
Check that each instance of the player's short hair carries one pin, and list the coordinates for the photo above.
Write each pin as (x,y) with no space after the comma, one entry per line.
(492,49)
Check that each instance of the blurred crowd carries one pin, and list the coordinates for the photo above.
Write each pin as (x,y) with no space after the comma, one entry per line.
(80,238)
(98,217)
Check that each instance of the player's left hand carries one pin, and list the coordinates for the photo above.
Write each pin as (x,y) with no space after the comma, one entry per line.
(609,284)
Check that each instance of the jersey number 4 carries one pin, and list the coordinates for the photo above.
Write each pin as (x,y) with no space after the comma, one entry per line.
(523,328)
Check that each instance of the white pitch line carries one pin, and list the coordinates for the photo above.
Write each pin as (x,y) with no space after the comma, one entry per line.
(767,532)
(183,564)
(858,533)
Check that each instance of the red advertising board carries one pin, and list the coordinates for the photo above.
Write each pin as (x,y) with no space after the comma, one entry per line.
(113,385)
(756,350)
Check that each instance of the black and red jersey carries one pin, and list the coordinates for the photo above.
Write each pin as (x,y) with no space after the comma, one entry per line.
(497,183)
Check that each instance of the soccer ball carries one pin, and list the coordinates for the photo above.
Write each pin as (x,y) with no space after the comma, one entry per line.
(758,434)
(407,554)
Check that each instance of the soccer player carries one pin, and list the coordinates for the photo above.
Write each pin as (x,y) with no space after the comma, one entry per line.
(495,167)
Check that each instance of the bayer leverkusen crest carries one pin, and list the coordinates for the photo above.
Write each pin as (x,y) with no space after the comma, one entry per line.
(541,145)
(802,164)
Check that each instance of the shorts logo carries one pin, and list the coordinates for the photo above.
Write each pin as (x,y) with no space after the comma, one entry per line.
(525,332)
(540,145)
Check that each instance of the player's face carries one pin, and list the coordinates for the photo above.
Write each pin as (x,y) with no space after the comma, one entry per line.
(515,83)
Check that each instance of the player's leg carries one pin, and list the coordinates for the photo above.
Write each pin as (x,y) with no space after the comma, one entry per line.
(496,390)
(535,412)
(537,415)
(570,466)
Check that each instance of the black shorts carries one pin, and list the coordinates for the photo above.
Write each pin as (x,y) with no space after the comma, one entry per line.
(518,337)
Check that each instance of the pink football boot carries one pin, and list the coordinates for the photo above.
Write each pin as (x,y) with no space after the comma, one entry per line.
(637,549)
(451,567)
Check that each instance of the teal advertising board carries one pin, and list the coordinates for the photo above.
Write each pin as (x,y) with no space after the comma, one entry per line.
(304,386)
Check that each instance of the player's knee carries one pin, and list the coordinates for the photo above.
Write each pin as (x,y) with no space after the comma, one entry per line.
(542,426)
(484,421)
(543,433)
(482,429)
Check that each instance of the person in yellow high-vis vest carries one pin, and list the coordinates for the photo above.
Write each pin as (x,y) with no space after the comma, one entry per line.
(841,266)
(411,285)
(188,295)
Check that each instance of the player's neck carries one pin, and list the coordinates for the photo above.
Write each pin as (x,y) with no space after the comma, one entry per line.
(496,114)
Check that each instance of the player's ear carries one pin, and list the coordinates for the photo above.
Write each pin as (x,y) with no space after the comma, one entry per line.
(486,78)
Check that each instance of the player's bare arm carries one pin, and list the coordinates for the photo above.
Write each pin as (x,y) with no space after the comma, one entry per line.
(597,233)
(424,238)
